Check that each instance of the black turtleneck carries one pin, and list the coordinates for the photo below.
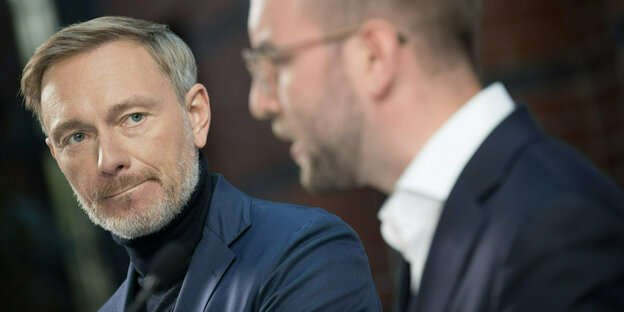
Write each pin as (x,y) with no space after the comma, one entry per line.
(186,229)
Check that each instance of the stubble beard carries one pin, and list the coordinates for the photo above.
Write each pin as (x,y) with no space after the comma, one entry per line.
(333,164)
(177,191)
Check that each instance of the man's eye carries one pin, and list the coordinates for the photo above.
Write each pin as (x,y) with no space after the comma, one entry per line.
(279,59)
(76,138)
(135,118)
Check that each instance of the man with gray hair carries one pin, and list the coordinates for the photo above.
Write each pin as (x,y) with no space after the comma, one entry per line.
(487,211)
(125,118)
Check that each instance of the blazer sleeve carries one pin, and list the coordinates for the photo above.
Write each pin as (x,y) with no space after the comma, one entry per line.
(568,257)
(323,268)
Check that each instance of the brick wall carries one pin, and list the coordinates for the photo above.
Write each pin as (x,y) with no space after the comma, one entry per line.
(564,60)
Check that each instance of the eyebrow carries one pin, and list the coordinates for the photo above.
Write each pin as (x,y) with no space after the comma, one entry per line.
(132,102)
(67,126)
(111,115)
(265,46)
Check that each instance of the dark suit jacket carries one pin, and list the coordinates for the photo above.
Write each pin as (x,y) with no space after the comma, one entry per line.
(257,255)
(530,225)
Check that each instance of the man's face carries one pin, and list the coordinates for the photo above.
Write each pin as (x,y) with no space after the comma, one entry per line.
(120,136)
(313,104)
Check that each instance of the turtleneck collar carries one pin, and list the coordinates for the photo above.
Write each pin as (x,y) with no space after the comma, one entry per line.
(186,228)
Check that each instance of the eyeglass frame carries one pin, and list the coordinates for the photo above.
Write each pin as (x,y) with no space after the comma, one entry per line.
(276,56)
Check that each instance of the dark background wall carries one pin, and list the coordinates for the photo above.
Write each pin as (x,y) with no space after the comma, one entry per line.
(564,59)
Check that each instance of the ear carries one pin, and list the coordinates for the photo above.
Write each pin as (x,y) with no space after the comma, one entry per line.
(49,144)
(198,111)
(378,58)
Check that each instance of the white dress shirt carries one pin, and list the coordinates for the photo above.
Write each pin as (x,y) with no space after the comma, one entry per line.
(410,215)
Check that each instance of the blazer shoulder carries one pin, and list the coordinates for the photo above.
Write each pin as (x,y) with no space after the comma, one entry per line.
(292,218)
(312,259)
(556,172)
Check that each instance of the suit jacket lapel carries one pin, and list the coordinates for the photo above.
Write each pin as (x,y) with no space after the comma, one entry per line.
(228,217)
(463,217)
(210,261)
(126,292)
(460,225)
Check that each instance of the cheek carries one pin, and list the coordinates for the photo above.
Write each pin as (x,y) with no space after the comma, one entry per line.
(79,175)
(161,132)
(296,95)
(166,142)
(301,88)
(285,88)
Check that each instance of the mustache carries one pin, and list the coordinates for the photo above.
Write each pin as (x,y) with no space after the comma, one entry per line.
(122,183)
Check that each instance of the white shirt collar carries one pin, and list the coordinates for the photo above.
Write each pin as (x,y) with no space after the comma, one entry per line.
(435,169)
(410,215)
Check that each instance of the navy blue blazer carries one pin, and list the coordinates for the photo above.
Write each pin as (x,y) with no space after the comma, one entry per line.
(530,225)
(257,255)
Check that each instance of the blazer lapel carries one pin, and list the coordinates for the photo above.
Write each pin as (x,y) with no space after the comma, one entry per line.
(460,224)
(463,218)
(228,218)
(210,261)
(126,292)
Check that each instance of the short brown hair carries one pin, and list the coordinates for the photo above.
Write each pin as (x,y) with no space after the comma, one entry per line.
(173,56)
(448,27)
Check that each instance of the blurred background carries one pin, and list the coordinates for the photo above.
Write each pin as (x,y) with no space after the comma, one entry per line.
(563,58)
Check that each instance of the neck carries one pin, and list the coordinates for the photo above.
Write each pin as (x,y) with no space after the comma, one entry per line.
(406,119)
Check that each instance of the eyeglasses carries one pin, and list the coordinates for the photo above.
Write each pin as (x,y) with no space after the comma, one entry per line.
(262,62)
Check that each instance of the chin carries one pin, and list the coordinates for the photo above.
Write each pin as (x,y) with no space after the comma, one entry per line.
(317,188)
(325,184)
(131,221)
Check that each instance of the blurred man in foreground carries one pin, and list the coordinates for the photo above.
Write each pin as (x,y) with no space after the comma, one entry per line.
(487,211)
(125,119)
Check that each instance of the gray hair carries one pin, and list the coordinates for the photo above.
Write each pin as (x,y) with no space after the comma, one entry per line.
(173,56)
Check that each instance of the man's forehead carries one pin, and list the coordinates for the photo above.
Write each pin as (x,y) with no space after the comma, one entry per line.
(51,107)
(105,74)
(53,96)
(53,102)
(269,19)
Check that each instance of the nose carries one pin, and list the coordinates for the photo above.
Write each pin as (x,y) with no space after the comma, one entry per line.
(112,159)
(262,105)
